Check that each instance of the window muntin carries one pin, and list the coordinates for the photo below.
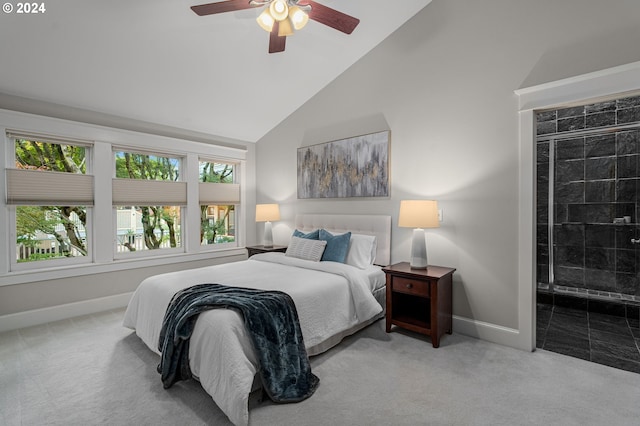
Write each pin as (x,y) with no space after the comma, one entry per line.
(56,234)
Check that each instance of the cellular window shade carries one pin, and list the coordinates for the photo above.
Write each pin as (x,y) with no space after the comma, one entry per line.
(139,192)
(219,193)
(44,188)
(41,137)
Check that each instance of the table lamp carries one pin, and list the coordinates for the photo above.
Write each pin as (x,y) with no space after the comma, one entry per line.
(266,213)
(418,214)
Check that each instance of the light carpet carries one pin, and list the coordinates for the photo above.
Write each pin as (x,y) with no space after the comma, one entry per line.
(92,371)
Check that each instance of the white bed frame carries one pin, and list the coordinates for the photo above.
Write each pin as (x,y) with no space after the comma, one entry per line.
(377,225)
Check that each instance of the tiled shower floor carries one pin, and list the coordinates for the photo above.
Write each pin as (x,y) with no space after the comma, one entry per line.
(604,339)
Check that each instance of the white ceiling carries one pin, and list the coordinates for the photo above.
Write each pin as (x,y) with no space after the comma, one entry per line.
(157,61)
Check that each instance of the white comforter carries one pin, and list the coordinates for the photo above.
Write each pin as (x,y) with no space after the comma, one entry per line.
(330,297)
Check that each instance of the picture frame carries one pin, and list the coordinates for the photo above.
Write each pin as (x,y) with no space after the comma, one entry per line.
(352,167)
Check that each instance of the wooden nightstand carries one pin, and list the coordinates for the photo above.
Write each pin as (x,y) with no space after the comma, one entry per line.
(419,299)
(262,249)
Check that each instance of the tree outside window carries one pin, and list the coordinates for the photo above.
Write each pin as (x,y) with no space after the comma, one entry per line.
(217,222)
(147,227)
(43,231)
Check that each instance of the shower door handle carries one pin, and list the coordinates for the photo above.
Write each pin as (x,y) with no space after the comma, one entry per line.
(635,241)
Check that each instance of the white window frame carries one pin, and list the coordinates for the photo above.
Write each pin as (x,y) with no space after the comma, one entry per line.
(105,140)
(183,208)
(237,206)
(149,252)
(14,265)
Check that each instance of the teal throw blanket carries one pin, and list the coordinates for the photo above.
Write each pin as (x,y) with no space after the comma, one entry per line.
(272,322)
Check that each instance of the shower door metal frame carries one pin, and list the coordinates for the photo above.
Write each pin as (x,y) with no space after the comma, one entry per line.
(552,138)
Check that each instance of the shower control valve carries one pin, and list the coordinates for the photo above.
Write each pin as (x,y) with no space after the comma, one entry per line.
(635,241)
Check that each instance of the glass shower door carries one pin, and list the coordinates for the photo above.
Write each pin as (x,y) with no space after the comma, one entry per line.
(595,190)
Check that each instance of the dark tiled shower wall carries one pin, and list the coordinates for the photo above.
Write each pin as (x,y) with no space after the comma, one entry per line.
(602,114)
(597,179)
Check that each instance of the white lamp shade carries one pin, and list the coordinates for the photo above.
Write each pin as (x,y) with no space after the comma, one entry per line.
(418,214)
(267,212)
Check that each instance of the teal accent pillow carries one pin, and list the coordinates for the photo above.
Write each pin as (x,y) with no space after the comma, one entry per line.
(337,246)
(313,235)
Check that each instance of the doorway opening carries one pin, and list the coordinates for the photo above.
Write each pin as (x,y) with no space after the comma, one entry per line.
(588,231)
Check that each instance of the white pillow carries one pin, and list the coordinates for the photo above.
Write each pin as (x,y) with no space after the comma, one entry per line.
(303,248)
(362,250)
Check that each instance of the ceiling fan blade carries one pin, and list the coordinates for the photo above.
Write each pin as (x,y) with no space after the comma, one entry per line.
(331,17)
(220,7)
(276,42)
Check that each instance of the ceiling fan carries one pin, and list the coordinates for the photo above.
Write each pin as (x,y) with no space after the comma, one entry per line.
(280,17)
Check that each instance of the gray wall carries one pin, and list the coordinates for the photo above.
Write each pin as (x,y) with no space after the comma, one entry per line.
(49,293)
(443,84)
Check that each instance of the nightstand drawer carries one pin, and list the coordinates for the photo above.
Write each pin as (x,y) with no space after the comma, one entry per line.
(409,286)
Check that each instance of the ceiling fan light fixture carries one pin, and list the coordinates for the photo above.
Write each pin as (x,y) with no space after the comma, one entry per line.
(279,10)
(266,21)
(280,18)
(284,28)
(298,17)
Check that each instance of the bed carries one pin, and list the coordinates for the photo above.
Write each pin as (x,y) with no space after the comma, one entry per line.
(333,300)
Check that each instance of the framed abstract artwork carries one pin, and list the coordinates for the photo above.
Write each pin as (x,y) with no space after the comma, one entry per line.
(351,167)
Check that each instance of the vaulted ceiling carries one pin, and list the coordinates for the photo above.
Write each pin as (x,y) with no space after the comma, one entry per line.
(158,62)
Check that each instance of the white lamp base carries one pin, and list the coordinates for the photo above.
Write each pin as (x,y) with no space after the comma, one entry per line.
(268,235)
(418,250)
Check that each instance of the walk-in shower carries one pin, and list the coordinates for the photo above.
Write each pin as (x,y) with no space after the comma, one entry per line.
(588,206)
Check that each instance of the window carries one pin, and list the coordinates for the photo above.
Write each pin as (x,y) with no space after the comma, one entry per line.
(79,202)
(148,199)
(217,224)
(50,232)
(218,198)
(140,228)
(51,193)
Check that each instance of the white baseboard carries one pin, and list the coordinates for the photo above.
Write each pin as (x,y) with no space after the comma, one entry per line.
(478,329)
(490,332)
(61,312)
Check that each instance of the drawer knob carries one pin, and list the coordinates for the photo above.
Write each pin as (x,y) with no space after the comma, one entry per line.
(410,285)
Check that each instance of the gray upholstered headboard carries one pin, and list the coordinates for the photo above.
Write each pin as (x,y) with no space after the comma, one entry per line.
(378,225)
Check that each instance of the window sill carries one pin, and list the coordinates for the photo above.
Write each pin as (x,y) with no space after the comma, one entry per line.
(43,274)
